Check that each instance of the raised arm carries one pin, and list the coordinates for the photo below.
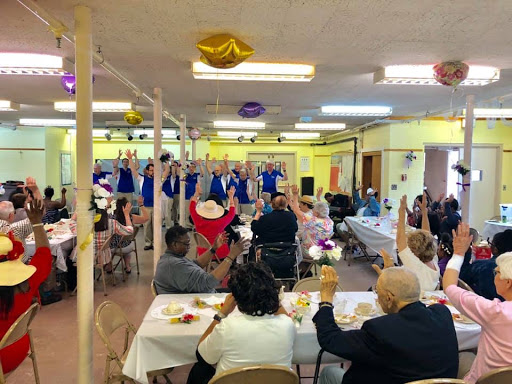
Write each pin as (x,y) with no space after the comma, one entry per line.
(425,224)
(115,163)
(62,203)
(35,211)
(31,184)
(208,166)
(135,173)
(283,167)
(167,171)
(401,238)
(204,259)
(227,169)
(141,219)
(461,242)
(137,163)
(319,192)
(252,176)
(294,203)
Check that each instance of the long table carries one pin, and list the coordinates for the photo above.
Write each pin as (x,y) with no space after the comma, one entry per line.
(492,227)
(159,344)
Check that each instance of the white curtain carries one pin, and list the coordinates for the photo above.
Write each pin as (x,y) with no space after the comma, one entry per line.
(346,171)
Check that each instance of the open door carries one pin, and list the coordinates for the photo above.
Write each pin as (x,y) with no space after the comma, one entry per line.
(372,162)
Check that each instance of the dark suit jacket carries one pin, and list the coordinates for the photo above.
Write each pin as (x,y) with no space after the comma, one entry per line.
(274,227)
(416,343)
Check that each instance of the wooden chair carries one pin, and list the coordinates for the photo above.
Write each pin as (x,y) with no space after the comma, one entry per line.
(497,376)
(109,317)
(257,374)
(16,331)
(202,242)
(100,265)
(153,288)
(311,284)
(438,381)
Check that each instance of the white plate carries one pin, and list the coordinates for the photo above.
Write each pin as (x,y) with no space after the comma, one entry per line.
(372,312)
(157,312)
(345,319)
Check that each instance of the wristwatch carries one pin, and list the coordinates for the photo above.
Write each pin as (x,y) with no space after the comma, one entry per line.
(213,250)
(219,316)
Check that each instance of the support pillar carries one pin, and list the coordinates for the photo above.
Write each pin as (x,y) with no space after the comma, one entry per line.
(157,194)
(85,280)
(468,144)
(183,124)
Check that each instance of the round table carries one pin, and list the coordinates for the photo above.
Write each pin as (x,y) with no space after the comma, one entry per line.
(492,227)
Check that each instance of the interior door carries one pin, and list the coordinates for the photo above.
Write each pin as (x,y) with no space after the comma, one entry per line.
(436,166)
(372,168)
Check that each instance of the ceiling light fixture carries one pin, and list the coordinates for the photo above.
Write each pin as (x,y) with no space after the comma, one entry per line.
(281,139)
(300,135)
(34,64)
(129,136)
(108,136)
(491,113)
(97,106)
(150,133)
(256,72)
(48,122)
(8,106)
(235,135)
(355,110)
(239,124)
(424,75)
(240,139)
(320,126)
(253,139)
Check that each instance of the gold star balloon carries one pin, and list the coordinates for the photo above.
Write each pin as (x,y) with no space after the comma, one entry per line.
(133,117)
(223,51)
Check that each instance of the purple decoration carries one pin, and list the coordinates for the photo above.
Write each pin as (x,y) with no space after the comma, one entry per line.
(251,110)
(68,82)
(323,244)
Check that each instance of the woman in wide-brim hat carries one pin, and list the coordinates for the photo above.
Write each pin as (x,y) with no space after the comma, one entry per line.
(210,218)
(19,283)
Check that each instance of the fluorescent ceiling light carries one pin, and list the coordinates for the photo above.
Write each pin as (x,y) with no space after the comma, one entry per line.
(49,122)
(255,72)
(6,105)
(424,75)
(124,124)
(97,106)
(239,124)
(320,126)
(491,113)
(236,134)
(300,135)
(224,109)
(170,133)
(34,64)
(100,132)
(355,110)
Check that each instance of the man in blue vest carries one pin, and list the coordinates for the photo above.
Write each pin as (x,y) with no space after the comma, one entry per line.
(219,179)
(271,177)
(99,174)
(171,189)
(191,179)
(125,187)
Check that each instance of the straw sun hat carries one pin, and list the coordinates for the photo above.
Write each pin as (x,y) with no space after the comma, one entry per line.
(307,200)
(210,210)
(12,270)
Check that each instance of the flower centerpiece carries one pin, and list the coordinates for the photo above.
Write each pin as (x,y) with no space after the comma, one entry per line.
(302,305)
(409,157)
(165,155)
(296,317)
(324,252)
(461,168)
(186,318)
(102,197)
(388,204)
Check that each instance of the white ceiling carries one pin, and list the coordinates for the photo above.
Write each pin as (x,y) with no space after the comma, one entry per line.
(152,42)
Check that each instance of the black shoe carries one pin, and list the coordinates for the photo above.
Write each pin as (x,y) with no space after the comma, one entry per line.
(148,247)
(53,298)
(128,271)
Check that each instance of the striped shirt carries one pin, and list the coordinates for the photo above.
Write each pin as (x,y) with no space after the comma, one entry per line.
(101,237)
(21,229)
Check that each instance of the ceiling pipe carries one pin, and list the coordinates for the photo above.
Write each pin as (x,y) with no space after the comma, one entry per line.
(57,25)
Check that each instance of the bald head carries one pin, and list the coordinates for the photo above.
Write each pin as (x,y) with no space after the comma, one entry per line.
(397,287)
(6,211)
(279,203)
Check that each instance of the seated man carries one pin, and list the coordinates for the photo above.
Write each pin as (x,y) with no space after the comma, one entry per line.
(279,225)
(480,274)
(262,334)
(369,206)
(175,273)
(413,342)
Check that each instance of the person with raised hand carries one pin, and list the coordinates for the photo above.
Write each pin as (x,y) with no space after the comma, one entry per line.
(494,316)
(125,175)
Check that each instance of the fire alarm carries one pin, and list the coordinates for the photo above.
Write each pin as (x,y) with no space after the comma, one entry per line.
(404,177)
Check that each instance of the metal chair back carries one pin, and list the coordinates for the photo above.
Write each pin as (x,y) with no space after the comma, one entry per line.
(257,374)
(497,376)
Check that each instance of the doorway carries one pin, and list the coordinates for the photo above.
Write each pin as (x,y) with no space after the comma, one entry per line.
(260,158)
(372,170)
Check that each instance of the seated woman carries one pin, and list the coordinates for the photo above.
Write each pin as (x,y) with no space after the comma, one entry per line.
(52,207)
(19,283)
(209,218)
(127,246)
(262,333)
(267,203)
(494,316)
(444,251)
(418,249)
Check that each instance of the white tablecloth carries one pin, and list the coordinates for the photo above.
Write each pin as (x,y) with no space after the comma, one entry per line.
(374,237)
(159,344)
(493,227)
(60,247)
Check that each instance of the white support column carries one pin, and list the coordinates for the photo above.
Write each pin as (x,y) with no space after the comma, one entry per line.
(183,124)
(468,144)
(85,300)
(194,154)
(157,196)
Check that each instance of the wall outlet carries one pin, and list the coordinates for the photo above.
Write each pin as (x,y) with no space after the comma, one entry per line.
(394,187)
(504,187)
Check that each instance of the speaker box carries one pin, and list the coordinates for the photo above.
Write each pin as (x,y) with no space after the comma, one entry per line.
(307,186)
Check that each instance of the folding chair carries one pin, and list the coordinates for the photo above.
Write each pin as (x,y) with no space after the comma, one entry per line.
(353,241)
(258,374)
(100,265)
(497,376)
(281,257)
(109,318)
(202,242)
(119,252)
(16,331)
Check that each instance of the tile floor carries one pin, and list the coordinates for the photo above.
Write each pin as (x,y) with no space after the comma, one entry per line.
(55,327)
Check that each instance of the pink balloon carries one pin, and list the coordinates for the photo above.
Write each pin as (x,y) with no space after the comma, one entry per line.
(451,73)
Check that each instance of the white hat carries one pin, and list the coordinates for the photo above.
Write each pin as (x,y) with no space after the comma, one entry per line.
(210,210)
(12,272)
(369,191)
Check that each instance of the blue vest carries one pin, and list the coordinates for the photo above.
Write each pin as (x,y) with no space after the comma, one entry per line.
(190,185)
(216,186)
(96,178)
(147,191)
(125,183)
(237,174)
(177,185)
(166,187)
(270,181)
(243,198)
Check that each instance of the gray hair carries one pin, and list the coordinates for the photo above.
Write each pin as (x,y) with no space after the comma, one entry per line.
(402,283)
(504,261)
(270,162)
(6,208)
(243,170)
(322,209)
(266,197)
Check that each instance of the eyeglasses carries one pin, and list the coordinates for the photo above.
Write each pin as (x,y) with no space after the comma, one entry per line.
(186,244)
(489,241)
(374,289)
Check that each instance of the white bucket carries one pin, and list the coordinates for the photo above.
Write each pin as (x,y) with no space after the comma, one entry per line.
(506,212)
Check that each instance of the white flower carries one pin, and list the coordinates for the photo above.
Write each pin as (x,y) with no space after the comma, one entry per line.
(330,243)
(113,204)
(102,192)
(335,253)
(315,252)
(101,203)
(103,181)
(95,187)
